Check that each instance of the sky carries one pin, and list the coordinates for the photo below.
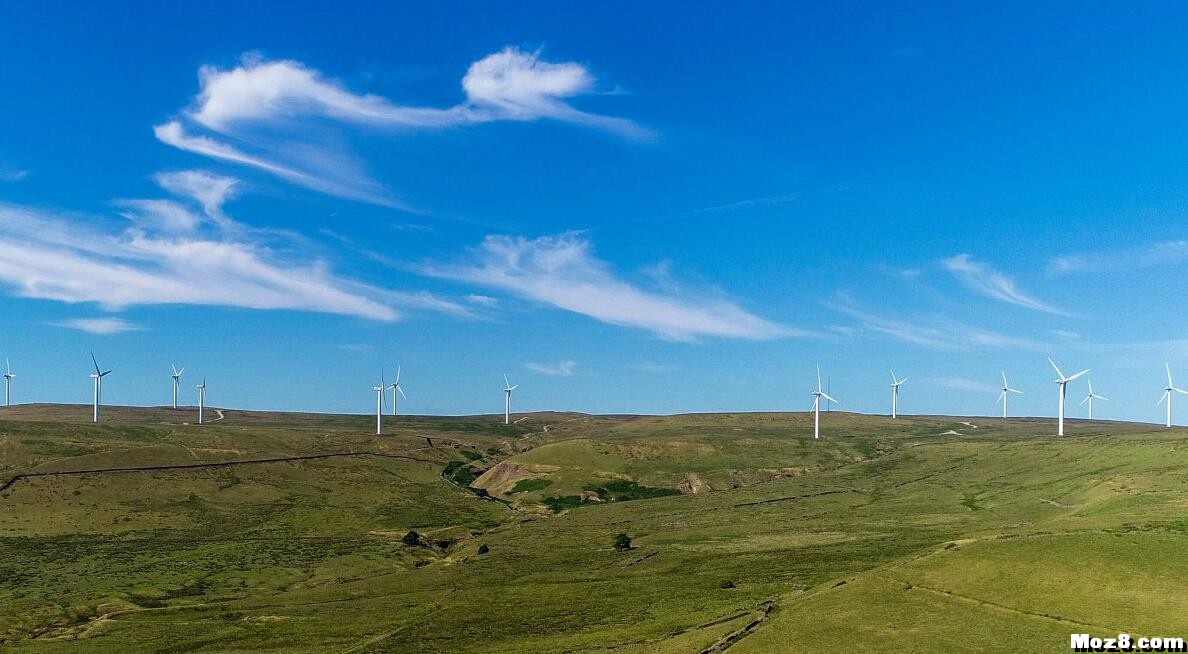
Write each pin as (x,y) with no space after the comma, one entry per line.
(624,208)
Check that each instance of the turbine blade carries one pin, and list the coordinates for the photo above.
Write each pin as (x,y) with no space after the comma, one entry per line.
(1169,379)
(1068,379)
(401,392)
(1102,397)
(894,381)
(1015,391)
(1163,397)
(514,387)
(397,374)
(1001,397)
(818,378)
(1085,400)
(1058,373)
(1004,381)
(830,398)
(94,361)
(506,383)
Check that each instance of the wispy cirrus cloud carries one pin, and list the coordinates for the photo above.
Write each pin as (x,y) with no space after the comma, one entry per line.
(10,174)
(993,284)
(267,115)
(559,369)
(563,271)
(183,250)
(930,331)
(101,326)
(1142,256)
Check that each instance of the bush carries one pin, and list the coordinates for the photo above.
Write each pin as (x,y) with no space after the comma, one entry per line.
(411,538)
(530,485)
(726,583)
(482,492)
(622,542)
(483,549)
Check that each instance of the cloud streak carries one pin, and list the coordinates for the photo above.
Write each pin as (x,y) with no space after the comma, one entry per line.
(932,332)
(101,326)
(983,279)
(559,369)
(562,271)
(1145,256)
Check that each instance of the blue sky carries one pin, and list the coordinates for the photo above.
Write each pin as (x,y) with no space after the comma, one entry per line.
(626,209)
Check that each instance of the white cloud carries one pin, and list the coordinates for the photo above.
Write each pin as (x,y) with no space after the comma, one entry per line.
(271,107)
(933,332)
(163,215)
(102,326)
(563,271)
(9,174)
(993,284)
(559,369)
(1145,256)
(208,189)
(54,258)
(352,186)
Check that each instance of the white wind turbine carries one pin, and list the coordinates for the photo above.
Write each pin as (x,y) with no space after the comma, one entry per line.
(379,404)
(1167,394)
(201,398)
(1090,397)
(507,391)
(895,383)
(7,382)
(817,395)
(97,376)
(176,382)
(1006,390)
(1063,383)
(395,386)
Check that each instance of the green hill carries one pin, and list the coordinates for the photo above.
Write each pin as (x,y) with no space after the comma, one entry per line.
(287,533)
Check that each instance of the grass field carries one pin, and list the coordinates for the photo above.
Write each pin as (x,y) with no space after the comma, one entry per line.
(290,533)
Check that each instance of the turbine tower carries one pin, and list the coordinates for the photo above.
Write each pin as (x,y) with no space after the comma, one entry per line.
(1063,381)
(176,382)
(8,383)
(507,391)
(1167,394)
(1006,390)
(379,404)
(395,386)
(201,398)
(895,383)
(97,376)
(817,395)
(1093,396)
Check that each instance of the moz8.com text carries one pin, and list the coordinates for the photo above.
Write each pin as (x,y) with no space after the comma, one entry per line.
(1126,643)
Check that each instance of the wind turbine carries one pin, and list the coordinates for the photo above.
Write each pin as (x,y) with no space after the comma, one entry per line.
(379,405)
(7,382)
(1063,383)
(895,383)
(1167,394)
(98,377)
(176,381)
(817,395)
(1006,390)
(201,398)
(507,391)
(1090,397)
(395,386)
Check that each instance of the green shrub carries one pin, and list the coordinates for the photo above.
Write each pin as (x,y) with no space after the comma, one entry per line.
(622,542)
(530,485)
(411,538)
(483,549)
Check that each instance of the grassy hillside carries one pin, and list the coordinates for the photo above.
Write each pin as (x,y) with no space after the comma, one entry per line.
(921,534)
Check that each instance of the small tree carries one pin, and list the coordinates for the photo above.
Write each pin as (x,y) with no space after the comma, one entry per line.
(622,542)
(411,538)
(483,549)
